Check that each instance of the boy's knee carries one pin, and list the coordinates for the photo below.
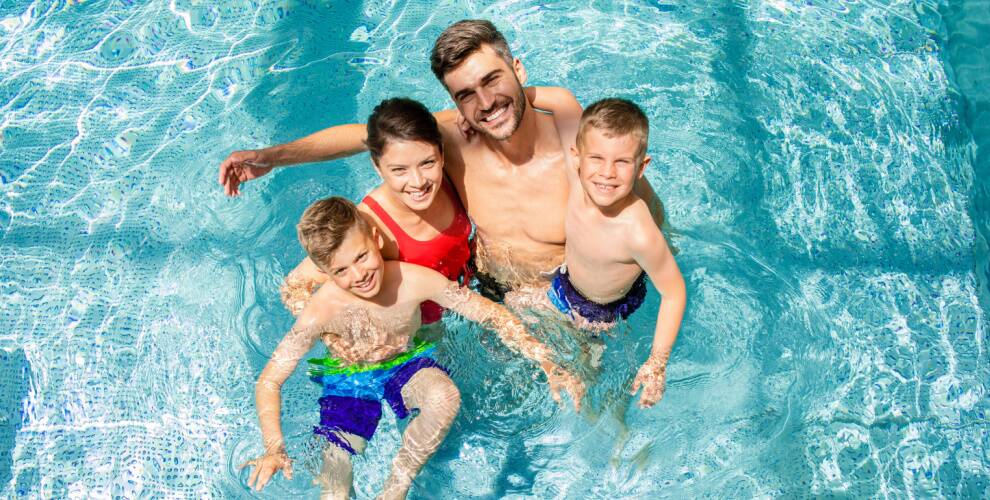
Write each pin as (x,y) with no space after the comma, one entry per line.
(442,397)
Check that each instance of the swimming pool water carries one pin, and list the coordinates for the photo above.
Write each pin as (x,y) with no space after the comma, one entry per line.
(824,166)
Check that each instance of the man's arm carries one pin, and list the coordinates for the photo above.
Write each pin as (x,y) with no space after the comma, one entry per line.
(651,252)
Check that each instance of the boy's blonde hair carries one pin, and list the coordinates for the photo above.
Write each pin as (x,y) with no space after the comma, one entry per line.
(616,118)
(325,224)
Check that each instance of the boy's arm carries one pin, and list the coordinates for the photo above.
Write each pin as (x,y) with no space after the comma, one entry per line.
(565,108)
(268,398)
(651,252)
(509,329)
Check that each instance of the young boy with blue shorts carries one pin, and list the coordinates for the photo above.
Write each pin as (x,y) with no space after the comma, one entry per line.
(613,243)
(367,315)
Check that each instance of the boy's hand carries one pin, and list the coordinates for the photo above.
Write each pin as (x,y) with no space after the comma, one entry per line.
(242,166)
(652,377)
(266,466)
(558,379)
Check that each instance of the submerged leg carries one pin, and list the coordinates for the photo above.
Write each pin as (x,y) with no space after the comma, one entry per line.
(336,473)
(436,397)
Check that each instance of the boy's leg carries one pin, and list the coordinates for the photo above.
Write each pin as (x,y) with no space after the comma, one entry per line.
(436,397)
(336,473)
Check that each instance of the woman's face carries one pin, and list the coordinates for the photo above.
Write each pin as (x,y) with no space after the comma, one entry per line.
(412,171)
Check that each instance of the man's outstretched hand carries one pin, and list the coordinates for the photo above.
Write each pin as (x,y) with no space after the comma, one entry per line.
(242,166)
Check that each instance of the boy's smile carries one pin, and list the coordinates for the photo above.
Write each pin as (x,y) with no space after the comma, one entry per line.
(357,264)
(609,166)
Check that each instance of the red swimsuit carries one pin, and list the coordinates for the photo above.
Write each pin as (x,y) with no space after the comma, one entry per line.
(448,253)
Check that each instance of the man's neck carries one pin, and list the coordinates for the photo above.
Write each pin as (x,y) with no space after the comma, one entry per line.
(520,147)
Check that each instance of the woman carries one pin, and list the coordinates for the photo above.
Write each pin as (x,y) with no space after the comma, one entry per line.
(414,208)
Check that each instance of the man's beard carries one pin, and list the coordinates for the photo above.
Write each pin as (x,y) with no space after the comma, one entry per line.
(518,108)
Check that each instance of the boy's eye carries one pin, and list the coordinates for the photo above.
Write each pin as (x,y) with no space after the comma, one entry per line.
(339,272)
(398,171)
(363,257)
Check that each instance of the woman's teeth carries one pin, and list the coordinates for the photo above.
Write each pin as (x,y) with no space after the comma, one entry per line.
(419,195)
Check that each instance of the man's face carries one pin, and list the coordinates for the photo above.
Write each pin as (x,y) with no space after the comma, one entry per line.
(357,265)
(609,166)
(488,93)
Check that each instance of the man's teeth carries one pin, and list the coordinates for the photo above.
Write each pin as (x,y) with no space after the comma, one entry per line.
(496,115)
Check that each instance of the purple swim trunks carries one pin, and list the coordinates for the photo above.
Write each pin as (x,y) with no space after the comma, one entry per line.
(567,299)
(352,397)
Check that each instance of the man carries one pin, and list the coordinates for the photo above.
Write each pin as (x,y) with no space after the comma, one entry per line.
(509,168)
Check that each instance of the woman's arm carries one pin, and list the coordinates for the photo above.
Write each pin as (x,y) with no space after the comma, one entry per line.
(327,144)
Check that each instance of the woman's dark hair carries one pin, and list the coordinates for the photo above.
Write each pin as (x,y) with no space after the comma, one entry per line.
(402,119)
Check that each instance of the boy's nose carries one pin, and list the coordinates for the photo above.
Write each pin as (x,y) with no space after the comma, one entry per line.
(608,169)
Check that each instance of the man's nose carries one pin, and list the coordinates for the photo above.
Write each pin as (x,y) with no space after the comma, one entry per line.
(486,99)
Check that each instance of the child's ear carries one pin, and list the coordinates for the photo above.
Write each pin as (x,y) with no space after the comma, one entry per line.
(642,166)
(519,70)
(377,236)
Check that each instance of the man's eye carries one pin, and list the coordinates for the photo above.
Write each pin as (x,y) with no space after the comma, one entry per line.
(467,97)
(491,82)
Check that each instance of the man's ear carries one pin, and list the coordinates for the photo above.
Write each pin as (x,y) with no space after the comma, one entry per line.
(519,70)
(642,166)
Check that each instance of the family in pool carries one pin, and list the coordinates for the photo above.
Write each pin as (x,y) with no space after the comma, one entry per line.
(543,182)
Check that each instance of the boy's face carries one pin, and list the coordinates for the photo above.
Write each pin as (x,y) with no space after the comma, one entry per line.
(608,166)
(488,92)
(357,265)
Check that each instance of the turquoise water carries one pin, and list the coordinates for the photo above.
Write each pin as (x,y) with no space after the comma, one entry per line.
(824,164)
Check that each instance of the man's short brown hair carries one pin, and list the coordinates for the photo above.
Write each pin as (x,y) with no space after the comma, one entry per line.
(616,118)
(462,39)
(325,224)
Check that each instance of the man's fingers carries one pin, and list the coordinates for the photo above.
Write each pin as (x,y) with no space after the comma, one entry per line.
(287,470)
(635,385)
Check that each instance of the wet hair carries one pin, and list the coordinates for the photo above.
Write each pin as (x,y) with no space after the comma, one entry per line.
(616,118)
(462,39)
(400,119)
(325,224)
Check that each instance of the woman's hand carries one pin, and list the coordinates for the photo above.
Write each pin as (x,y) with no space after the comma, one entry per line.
(242,166)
